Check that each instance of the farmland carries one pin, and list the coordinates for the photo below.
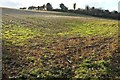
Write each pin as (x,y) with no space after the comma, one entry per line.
(59,45)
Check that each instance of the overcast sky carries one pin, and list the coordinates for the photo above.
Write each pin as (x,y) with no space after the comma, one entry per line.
(104,4)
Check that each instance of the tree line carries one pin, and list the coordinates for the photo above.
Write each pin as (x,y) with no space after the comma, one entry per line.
(92,11)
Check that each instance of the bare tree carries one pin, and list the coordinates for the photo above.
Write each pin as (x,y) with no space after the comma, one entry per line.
(41,7)
(63,7)
(74,6)
(49,6)
(87,7)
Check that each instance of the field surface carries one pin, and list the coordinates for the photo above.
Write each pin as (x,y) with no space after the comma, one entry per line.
(59,45)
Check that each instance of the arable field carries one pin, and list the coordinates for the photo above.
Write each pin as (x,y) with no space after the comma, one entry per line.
(59,45)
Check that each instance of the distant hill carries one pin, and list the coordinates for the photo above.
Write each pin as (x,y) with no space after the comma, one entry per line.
(54,12)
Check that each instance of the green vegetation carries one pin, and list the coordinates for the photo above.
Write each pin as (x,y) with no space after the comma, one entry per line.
(18,35)
(60,47)
(92,29)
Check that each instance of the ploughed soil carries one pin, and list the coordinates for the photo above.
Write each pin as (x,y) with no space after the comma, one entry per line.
(60,57)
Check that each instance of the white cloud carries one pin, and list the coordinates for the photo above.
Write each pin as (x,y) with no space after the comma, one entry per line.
(9,3)
(119,6)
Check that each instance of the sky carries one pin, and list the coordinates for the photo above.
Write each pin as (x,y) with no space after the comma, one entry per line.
(104,4)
